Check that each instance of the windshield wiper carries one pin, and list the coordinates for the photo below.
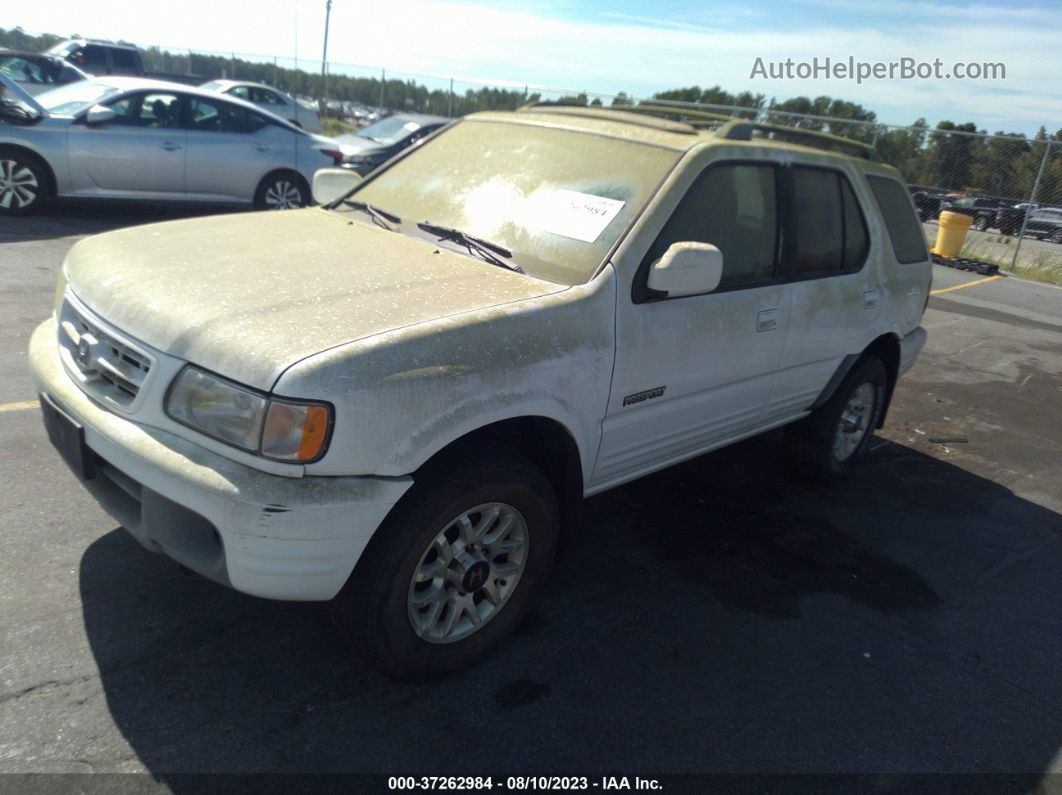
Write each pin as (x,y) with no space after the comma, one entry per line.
(487,250)
(382,217)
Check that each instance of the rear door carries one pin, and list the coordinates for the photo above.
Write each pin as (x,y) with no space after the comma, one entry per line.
(231,148)
(138,154)
(836,296)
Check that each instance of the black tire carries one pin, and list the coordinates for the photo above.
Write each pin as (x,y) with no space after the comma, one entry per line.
(810,443)
(1055,236)
(980,223)
(378,594)
(282,190)
(25,182)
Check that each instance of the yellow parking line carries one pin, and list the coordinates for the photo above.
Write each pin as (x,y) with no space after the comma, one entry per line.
(964,284)
(20,406)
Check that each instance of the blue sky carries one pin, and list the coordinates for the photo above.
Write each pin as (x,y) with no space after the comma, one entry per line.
(637,46)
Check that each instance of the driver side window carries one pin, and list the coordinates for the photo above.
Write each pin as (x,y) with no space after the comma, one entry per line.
(733,206)
(154,110)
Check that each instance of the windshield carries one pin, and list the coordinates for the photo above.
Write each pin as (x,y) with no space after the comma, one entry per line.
(68,100)
(389,131)
(557,199)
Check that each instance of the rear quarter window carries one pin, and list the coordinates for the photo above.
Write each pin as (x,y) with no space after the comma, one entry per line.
(905,232)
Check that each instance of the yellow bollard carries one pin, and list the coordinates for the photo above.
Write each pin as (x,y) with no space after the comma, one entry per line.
(951,233)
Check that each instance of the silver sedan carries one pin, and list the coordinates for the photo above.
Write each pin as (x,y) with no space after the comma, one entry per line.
(130,138)
(268,98)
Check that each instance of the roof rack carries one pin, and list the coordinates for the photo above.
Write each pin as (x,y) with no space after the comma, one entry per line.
(610,114)
(697,117)
(741,130)
(728,127)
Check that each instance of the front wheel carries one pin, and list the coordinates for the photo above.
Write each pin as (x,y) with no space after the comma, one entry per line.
(284,190)
(1056,236)
(827,444)
(24,184)
(455,568)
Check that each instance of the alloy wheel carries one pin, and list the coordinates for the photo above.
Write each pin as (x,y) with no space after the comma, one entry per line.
(468,573)
(283,194)
(855,422)
(19,187)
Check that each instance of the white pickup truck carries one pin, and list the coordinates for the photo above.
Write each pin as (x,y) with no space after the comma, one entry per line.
(402,394)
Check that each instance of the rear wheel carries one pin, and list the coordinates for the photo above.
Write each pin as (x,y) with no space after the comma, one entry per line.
(25,185)
(282,190)
(827,444)
(455,568)
(980,223)
(1056,236)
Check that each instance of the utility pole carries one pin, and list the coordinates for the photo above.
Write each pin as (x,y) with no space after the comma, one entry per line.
(450,103)
(324,58)
(383,79)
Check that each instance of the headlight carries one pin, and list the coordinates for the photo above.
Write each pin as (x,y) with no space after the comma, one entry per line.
(281,429)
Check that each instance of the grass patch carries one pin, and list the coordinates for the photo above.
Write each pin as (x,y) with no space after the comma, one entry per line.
(1041,266)
(334,127)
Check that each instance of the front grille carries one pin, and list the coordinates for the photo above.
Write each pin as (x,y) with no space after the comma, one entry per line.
(111,369)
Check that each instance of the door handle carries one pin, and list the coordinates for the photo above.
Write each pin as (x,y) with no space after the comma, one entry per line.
(767,320)
(170,146)
(870,299)
(262,147)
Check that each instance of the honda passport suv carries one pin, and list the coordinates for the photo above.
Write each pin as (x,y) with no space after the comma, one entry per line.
(400,396)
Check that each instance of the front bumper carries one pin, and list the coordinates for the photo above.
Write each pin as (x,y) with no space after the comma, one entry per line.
(263,534)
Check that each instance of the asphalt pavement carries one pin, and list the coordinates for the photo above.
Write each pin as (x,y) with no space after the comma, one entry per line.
(721,616)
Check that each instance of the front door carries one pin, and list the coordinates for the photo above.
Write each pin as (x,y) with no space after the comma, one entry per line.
(694,372)
(140,153)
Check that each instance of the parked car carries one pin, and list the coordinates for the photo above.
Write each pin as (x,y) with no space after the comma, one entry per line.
(1008,220)
(37,72)
(98,57)
(270,99)
(403,394)
(983,210)
(927,202)
(128,138)
(372,145)
(1045,224)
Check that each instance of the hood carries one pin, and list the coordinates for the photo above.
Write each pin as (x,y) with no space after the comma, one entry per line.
(247,295)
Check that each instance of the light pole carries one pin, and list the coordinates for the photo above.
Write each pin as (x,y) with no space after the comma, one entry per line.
(324,59)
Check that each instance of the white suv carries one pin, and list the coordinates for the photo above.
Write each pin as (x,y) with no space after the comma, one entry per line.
(342,399)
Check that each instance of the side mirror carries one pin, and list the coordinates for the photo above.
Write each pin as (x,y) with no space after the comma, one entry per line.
(687,269)
(331,183)
(99,114)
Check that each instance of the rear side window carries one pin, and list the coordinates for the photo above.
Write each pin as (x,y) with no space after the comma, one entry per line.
(828,233)
(209,115)
(733,206)
(93,57)
(124,60)
(905,232)
(263,97)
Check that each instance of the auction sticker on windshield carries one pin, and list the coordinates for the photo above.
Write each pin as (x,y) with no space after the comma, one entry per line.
(569,213)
